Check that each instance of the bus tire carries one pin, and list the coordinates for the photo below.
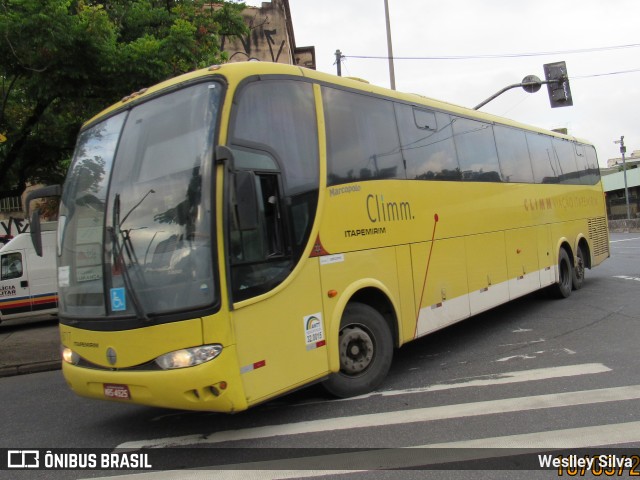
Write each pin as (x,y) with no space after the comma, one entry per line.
(366,349)
(579,270)
(563,288)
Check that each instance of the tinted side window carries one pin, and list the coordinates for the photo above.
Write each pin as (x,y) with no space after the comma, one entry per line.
(593,171)
(275,144)
(427,144)
(581,163)
(545,168)
(362,137)
(280,116)
(11,266)
(566,157)
(513,154)
(476,149)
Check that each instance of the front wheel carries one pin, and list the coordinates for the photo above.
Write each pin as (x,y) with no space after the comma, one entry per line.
(563,288)
(365,348)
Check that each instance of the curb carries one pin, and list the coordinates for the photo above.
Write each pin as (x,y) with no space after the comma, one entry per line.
(13,370)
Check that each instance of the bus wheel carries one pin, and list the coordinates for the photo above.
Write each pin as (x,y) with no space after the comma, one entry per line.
(562,289)
(578,270)
(365,349)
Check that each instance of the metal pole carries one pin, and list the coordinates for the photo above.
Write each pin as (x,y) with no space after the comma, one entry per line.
(338,61)
(495,95)
(623,150)
(392,75)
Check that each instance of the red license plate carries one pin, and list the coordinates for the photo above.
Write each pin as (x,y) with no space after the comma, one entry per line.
(112,390)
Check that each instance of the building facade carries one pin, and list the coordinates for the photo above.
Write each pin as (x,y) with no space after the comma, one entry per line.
(270,38)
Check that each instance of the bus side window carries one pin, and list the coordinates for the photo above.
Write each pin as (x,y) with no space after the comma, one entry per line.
(476,149)
(11,266)
(513,154)
(565,155)
(362,137)
(426,143)
(593,171)
(543,162)
(581,163)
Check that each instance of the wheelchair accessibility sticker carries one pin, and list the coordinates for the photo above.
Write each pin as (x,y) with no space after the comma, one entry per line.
(118,300)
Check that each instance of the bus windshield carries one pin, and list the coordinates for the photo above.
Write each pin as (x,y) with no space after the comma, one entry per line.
(135,219)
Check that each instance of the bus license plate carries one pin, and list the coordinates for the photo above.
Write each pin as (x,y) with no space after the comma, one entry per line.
(112,390)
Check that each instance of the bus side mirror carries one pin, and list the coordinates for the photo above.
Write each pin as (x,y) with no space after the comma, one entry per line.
(35,232)
(36,237)
(246,200)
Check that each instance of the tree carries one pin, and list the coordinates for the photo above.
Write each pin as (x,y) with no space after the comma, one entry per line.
(65,60)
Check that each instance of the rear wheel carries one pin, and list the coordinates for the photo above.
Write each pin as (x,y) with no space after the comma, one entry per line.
(562,289)
(579,270)
(365,348)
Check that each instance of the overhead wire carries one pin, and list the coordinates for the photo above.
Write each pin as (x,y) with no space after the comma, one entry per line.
(501,55)
(517,55)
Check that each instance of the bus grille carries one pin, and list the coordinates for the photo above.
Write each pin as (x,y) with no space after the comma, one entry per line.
(599,236)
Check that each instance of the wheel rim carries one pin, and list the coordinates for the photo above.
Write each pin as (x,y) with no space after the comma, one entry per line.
(356,349)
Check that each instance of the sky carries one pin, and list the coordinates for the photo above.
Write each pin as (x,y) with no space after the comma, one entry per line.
(606,103)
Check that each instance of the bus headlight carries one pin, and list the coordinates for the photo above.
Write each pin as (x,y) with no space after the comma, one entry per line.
(70,356)
(188,357)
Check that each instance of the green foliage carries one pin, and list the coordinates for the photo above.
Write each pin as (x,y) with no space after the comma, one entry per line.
(65,60)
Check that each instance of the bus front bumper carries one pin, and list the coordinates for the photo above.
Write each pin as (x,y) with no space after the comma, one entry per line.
(212,386)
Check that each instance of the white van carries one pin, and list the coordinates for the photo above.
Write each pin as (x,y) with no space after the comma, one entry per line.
(28,283)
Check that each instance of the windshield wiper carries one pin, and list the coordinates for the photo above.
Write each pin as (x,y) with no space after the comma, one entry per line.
(118,257)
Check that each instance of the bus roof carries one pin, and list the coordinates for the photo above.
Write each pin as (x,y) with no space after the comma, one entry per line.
(236,72)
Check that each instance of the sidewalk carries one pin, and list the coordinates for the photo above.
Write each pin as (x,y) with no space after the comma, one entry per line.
(29,346)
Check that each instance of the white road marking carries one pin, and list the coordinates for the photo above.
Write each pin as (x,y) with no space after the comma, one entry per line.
(626,277)
(498,379)
(522,344)
(519,357)
(444,412)
(624,240)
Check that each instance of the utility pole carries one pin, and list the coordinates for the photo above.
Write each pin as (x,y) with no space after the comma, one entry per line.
(392,75)
(623,150)
(339,58)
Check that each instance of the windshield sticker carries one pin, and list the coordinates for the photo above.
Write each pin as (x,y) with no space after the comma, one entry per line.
(313,331)
(118,300)
(63,276)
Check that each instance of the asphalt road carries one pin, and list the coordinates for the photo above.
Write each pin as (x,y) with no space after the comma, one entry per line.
(536,373)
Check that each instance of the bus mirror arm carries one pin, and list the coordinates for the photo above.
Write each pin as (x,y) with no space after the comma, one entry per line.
(34,218)
(224,155)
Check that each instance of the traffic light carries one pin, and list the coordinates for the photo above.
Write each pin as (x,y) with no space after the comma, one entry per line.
(558,84)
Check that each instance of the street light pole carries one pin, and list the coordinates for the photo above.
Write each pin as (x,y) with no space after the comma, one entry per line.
(623,150)
(392,75)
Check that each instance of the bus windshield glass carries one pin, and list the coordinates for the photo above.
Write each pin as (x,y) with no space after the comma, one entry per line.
(135,220)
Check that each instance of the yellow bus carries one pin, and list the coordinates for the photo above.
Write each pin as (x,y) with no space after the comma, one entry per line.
(242,231)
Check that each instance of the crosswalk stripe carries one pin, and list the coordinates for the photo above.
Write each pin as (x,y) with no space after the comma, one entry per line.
(489,407)
(499,379)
